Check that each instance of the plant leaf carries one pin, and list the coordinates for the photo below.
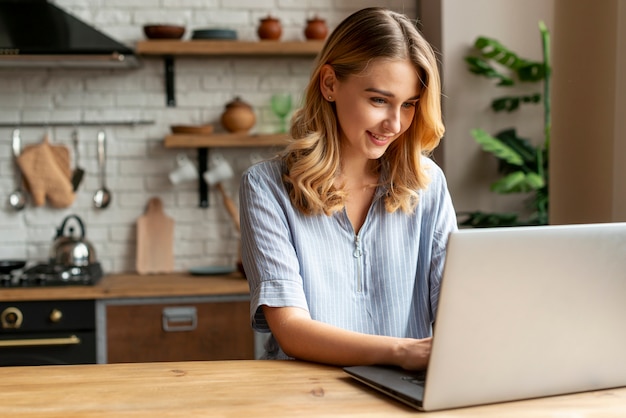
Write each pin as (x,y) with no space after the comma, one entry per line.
(518,182)
(480,66)
(496,147)
(511,183)
(531,71)
(535,181)
(511,103)
(522,146)
(526,70)
(492,49)
(508,104)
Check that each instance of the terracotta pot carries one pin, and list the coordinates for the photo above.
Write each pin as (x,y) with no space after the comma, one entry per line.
(270,28)
(238,116)
(316,28)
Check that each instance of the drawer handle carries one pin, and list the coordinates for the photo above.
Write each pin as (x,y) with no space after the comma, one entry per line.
(179,319)
(71,340)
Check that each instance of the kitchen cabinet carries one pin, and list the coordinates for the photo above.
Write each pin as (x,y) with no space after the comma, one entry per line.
(168,49)
(178,330)
(130,311)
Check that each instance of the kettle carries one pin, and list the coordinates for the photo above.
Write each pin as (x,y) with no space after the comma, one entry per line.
(68,250)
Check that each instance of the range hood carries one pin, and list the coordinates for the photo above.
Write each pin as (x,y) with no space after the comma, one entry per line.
(36,33)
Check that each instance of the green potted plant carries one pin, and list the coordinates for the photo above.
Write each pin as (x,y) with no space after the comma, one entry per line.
(523,166)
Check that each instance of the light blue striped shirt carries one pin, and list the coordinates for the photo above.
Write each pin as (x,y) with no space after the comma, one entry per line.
(383,281)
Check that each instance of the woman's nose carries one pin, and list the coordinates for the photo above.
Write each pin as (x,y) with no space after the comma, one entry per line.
(393,122)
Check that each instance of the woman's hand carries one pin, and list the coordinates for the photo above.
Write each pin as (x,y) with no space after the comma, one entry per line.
(303,338)
(414,353)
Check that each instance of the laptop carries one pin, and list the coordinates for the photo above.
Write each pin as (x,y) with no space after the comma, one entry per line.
(524,312)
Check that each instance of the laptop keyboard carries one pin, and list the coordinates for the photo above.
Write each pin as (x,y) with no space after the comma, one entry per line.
(419,378)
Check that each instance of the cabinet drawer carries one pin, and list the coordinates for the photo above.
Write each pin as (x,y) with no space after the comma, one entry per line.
(179,332)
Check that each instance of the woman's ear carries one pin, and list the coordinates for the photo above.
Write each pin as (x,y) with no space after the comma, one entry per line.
(328,82)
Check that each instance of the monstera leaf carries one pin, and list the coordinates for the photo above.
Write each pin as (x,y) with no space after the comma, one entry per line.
(511,103)
(480,66)
(526,70)
(492,51)
(497,147)
(518,182)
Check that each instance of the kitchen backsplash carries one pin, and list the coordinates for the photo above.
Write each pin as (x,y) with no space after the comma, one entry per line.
(137,163)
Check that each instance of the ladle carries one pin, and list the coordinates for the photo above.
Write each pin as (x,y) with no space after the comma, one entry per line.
(102,197)
(17,199)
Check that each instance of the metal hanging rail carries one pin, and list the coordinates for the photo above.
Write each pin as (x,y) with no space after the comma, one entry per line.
(77,123)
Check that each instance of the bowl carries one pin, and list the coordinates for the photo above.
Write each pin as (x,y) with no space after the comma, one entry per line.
(192,129)
(214,34)
(164,31)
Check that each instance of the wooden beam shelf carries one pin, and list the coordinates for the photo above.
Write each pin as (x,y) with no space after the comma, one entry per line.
(168,49)
(225,140)
(226,48)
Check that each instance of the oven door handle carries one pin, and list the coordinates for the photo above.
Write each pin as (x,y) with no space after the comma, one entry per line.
(71,340)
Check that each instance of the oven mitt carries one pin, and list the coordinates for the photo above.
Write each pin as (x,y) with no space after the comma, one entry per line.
(46,169)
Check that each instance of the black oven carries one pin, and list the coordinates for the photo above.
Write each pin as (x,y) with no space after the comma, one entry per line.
(47,332)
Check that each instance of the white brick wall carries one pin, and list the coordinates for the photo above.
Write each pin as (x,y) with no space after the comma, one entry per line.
(138,164)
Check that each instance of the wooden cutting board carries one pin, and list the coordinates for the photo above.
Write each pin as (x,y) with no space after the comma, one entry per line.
(155,240)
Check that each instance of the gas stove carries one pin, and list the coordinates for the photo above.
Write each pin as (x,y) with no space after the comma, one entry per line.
(41,275)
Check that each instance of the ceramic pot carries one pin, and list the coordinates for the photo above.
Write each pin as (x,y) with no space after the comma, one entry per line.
(270,28)
(316,29)
(238,116)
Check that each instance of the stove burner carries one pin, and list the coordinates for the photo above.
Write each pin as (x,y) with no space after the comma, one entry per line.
(52,275)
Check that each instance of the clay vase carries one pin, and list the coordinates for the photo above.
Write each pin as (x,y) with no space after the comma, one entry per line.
(238,116)
(316,29)
(270,29)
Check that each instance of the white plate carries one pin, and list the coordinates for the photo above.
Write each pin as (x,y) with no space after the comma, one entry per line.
(210,270)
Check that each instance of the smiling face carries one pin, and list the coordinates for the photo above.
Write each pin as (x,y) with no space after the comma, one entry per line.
(373,107)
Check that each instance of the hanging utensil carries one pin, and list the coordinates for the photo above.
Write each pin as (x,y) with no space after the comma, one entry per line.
(17,199)
(77,175)
(102,197)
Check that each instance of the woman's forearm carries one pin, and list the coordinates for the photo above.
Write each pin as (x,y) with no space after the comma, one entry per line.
(303,338)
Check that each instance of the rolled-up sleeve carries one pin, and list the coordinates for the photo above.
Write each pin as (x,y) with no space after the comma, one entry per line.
(268,254)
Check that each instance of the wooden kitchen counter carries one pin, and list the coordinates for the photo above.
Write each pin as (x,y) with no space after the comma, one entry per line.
(244,388)
(132,285)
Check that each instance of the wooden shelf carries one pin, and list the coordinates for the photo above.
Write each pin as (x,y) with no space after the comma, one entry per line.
(226,48)
(168,49)
(224,140)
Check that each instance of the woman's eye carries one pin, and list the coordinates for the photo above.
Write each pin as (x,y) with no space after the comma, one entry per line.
(378,100)
(409,105)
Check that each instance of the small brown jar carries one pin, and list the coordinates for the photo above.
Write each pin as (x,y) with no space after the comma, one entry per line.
(270,29)
(316,29)
(238,116)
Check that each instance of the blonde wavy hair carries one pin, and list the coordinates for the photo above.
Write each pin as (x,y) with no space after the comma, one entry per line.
(312,158)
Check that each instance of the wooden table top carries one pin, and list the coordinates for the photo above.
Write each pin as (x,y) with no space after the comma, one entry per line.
(244,388)
(133,285)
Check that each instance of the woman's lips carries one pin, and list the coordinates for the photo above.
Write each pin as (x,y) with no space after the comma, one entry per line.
(379,140)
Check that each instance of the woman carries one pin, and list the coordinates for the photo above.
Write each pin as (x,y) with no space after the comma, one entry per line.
(344,233)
